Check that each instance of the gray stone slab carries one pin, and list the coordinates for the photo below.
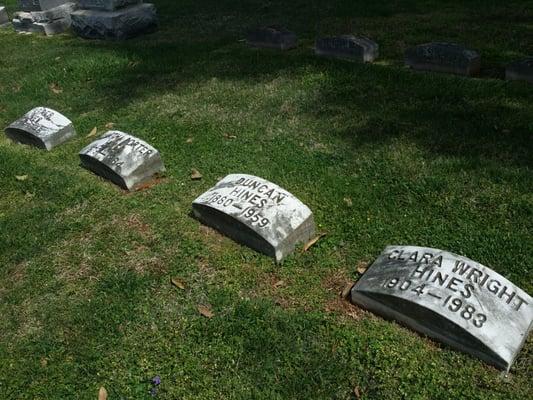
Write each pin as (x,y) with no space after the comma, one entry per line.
(45,28)
(520,70)
(125,160)
(274,37)
(450,298)
(4,18)
(39,5)
(118,25)
(347,47)
(257,213)
(444,57)
(61,12)
(41,127)
(106,5)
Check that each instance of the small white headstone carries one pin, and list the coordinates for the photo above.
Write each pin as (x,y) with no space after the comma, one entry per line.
(123,159)
(257,213)
(41,127)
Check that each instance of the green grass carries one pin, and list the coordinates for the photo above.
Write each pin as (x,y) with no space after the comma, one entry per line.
(427,159)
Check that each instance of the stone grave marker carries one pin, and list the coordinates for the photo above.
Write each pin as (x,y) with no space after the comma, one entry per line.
(41,127)
(520,70)
(4,18)
(257,213)
(49,22)
(123,159)
(113,19)
(443,57)
(347,47)
(40,5)
(450,298)
(274,37)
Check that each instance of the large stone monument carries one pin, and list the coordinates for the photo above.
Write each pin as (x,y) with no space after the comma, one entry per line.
(274,37)
(125,160)
(40,5)
(520,70)
(41,127)
(444,57)
(347,47)
(257,213)
(113,19)
(450,298)
(48,21)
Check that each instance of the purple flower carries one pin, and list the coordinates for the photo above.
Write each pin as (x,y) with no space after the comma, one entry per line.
(156,380)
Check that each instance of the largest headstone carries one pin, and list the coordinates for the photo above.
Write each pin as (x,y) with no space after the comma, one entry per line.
(113,19)
(450,298)
(257,213)
(443,57)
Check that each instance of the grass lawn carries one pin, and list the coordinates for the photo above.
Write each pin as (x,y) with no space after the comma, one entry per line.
(381,154)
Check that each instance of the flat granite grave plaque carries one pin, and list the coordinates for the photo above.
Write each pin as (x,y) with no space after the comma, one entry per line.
(41,127)
(450,298)
(257,213)
(347,47)
(40,5)
(274,37)
(123,159)
(520,70)
(443,57)
(119,24)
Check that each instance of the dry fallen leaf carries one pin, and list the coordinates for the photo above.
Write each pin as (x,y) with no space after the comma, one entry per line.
(93,132)
(54,87)
(228,136)
(102,394)
(195,175)
(362,266)
(348,201)
(178,283)
(21,177)
(206,311)
(110,125)
(189,140)
(279,284)
(346,291)
(313,241)
(357,392)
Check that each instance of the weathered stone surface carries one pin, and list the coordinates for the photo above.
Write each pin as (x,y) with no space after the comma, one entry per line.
(107,5)
(40,5)
(61,12)
(41,127)
(274,37)
(450,298)
(347,47)
(4,18)
(120,24)
(444,57)
(257,213)
(45,28)
(520,70)
(123,159)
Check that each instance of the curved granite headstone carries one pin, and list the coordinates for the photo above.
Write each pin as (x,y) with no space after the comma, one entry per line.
(450,298)
(444,57)
(119,24)
(41,127)
(520,70)
(274,37)
(123,159)
(347,47)
(257,213)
